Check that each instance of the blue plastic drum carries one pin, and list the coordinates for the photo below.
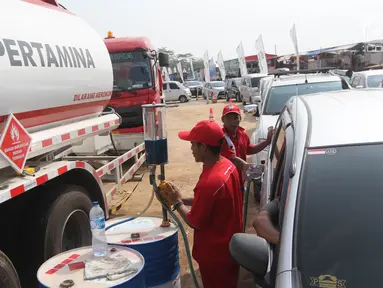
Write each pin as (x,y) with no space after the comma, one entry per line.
(67,269)
(158,245)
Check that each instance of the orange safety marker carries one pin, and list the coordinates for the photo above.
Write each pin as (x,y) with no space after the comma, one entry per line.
(211,115)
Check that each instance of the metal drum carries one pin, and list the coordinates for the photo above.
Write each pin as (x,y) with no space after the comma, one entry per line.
(158,245)
(67,270)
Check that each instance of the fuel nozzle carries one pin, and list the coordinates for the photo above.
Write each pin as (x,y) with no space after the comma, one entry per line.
(163,186)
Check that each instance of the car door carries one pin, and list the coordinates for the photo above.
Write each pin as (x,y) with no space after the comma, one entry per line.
(165,91)
(174,92)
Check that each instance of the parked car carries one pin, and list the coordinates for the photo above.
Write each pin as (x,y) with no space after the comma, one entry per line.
(328,238)
(280,91)
(232,89)
(367,79)
(216,87)
(194,86)
(175,91)
(250,88)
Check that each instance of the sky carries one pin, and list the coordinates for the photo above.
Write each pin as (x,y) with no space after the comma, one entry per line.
(220,25)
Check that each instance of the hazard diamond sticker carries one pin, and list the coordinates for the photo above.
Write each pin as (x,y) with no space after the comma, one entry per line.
(15,143)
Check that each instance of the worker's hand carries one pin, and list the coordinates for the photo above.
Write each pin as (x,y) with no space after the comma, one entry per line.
(173,193)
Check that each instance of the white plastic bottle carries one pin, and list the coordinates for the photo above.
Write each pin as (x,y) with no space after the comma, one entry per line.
(97,226)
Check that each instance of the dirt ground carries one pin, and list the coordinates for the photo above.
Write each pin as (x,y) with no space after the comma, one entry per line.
(183,171)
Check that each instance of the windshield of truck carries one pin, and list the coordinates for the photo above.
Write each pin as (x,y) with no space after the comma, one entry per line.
(131,71)
(218,84)
(374,81)
(339,218)
(278,96)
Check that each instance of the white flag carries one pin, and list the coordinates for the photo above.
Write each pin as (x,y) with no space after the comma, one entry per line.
(262,61)
(169,71)
(207,67)
(242,60)
(192,68)
(221,65)
(293,35)
(166,72)
(179,68)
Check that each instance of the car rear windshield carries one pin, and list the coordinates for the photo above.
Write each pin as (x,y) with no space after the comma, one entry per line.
(193,83)
(218,84)
(255,81)
(374,81)
(281,94)
(339,218)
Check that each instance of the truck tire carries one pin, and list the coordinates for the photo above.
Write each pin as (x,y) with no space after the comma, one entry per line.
(8,274)
(183,99)
(67,222)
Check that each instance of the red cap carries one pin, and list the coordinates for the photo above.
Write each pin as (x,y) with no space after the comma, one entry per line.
(231,108)
(205,132)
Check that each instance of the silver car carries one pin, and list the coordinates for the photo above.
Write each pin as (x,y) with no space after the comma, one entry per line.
(216,87)
(327,174)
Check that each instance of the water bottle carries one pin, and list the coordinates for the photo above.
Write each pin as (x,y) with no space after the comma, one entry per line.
(97,226)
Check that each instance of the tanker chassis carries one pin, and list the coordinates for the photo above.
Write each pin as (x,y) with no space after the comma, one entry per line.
(56,80)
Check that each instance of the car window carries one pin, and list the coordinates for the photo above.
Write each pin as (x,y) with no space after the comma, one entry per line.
(277,154)
(339,216)
(279,95)
(173,86)
(356,81)
(218,84)
(165,86)
(374,81)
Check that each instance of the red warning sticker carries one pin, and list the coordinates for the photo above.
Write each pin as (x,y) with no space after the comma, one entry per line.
(70,259)
(15,143)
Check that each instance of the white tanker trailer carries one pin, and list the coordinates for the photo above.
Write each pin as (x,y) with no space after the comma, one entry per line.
(55,81)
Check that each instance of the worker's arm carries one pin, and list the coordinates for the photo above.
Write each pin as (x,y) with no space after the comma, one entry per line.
(188,201)
(239,163)
(184,211)
(254,149)
(263,224)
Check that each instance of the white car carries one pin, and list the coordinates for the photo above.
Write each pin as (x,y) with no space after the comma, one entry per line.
(326,173)
(175,91)
(249,88)
(216,87)
(367,79)
(280,91)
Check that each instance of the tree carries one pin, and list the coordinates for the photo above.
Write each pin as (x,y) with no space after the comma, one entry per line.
(184,58)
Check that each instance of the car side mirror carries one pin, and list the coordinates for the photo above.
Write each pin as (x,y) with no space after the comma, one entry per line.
(257,98)
(250,108)
(163,59)
(252,253)
(359,87)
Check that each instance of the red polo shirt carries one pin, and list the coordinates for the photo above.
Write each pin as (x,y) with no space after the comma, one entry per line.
(216,212)
(241,143)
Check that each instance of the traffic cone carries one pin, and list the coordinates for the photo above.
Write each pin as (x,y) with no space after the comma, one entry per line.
(211,115)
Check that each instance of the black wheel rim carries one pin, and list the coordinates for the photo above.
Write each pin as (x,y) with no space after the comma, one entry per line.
(74,235)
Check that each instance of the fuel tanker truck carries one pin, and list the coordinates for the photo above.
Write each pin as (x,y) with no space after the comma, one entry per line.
(56,80)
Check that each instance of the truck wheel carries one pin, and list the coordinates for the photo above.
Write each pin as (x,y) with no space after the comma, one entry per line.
(67,222)
(183,99)
(8,274)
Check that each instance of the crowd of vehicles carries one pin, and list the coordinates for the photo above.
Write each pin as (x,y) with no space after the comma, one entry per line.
(327,238)
(279,88)
(56,143)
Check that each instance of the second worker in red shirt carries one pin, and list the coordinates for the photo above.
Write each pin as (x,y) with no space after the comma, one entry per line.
(216,208)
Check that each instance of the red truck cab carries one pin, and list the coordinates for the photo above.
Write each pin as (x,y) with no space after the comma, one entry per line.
(137,80)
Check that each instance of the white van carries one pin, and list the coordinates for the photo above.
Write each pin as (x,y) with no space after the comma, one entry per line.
(249,88)
(175,91)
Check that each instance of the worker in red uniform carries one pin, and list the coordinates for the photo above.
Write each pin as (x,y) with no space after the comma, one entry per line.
(216,208)
(237,145)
